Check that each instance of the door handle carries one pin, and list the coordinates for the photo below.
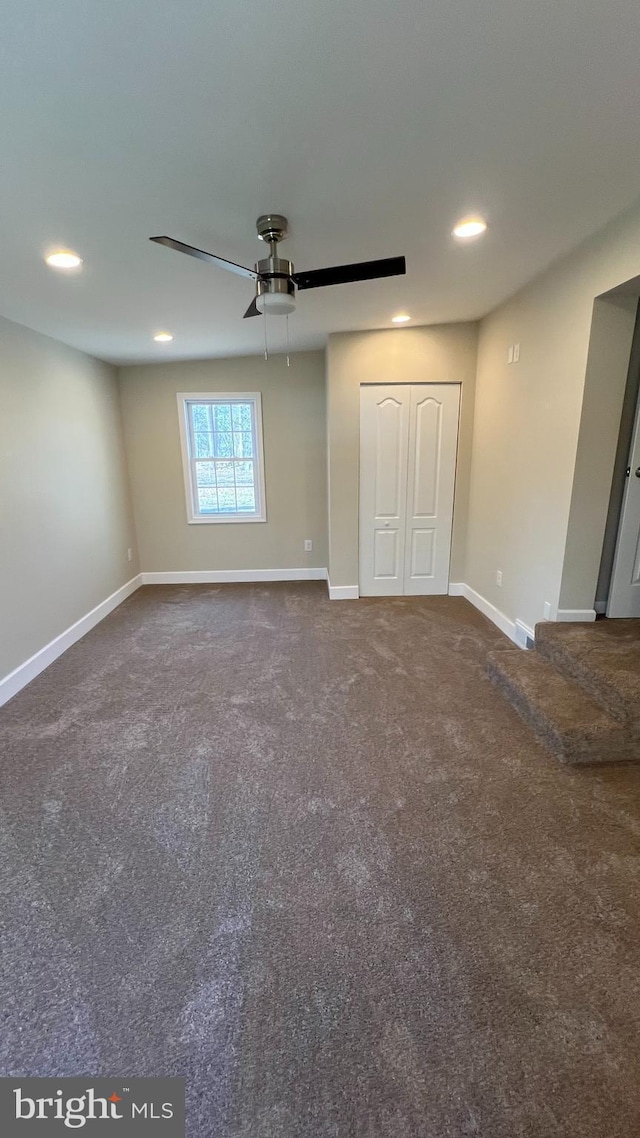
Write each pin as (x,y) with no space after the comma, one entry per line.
(637,472)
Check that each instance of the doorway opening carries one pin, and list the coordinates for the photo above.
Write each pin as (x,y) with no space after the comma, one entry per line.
(618,589)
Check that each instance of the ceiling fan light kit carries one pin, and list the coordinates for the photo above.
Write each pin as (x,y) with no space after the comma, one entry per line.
(275,278)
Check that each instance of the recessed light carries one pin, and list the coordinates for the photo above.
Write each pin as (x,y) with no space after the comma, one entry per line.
(63,259)
(469,227)
(163,337)
(401,318)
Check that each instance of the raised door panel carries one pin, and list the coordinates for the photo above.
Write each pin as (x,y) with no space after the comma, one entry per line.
(386,555)
(426,469)
(422,557)
(390,425)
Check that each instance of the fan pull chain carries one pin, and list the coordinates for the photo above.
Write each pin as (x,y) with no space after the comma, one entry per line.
(288,360)
(266,347)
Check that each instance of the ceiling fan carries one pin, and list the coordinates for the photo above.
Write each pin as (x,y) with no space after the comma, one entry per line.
(276,281)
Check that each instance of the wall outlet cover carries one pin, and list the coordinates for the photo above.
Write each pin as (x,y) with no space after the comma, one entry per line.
(308,545)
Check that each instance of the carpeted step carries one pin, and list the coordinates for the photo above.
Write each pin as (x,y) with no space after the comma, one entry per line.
(564,717)
(604,658)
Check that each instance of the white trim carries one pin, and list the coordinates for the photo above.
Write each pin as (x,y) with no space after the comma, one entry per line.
(22,675)
(579,615)
(343,592)
(231,576)
(494,614)
(516,630)
(188,459)
(509,627)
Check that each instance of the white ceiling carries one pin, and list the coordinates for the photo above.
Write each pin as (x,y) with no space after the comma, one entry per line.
(373,124)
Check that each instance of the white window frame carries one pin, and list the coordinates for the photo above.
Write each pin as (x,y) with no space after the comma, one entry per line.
(188,459)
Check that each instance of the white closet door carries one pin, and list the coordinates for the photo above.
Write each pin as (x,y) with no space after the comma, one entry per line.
(384,434)
(433,443)
(408,443)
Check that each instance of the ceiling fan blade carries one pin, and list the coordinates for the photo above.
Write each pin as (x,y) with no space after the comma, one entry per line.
(343,274)
(252,310)
(191,251)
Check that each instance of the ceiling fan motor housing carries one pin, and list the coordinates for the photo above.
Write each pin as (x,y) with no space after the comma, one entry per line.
(275,290)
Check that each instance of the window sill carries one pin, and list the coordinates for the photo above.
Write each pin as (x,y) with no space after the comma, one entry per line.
(237,520)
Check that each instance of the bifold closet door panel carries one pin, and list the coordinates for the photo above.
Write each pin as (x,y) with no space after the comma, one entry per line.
(384,434)
(431,475)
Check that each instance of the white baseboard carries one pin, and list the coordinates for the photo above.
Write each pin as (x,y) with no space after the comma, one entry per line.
(343,592)
(487,609)
(231,576)
(24,673)
(516,630)
(579,615)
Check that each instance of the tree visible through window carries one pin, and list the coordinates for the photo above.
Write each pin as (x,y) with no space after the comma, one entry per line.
(222,436)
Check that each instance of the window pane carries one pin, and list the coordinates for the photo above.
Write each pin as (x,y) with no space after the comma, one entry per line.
(221,417)
(223,445)
(242,444)
(206,473)
(246,499)
(241,413)
(244,473)
(203,444)
(200,417)
(207,501)
(227,500)
(222,437)
(224,472)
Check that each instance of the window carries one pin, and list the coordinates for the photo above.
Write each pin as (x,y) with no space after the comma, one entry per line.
(221,439)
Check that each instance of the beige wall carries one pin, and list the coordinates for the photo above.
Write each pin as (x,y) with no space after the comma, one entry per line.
(440,354)
(65,517)
(610,343)
(526,517)
(293,410)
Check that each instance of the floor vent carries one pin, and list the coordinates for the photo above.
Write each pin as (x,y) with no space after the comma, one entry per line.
(524,636)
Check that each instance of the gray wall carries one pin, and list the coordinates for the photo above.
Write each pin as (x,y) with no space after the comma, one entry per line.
(65,516)
(546,429)
(619,481)
(293,409)
(443,353)
(607,369)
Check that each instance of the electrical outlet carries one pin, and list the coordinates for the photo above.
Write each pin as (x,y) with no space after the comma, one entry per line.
(547,610)
(129,555)
(308,545)
(516,353)
(499,577)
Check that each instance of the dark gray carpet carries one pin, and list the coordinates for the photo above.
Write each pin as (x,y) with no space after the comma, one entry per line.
(305,854)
